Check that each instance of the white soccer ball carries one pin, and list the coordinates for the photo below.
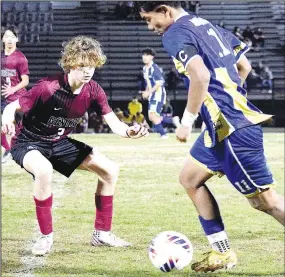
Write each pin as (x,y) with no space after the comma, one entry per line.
(170,250)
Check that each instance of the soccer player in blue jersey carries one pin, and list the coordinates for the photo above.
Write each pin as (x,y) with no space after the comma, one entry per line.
(232,143)
(155,93)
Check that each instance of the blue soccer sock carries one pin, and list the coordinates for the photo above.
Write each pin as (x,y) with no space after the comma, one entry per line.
(167,120)
(215,232)
(159,129)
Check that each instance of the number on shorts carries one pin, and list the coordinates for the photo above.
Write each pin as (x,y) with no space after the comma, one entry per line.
(243,186)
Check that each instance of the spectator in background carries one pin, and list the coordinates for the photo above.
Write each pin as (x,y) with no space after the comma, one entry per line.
(140,119)
(121,10)
(259,68)
(259,38)
(267,79)
(168,120)
(119,113)
(237,33)
(135,106)
(248,33)
(172,81)
(194,6)
(130,9)
(96,123)
(128,118)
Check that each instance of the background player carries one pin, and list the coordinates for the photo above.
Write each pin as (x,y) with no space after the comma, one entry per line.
(14,76)
(232,143)
(155,92)
(52,108)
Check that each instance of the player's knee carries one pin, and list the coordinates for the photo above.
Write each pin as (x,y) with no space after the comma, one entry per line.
(113,173)
(188,181)
(44,171)
(267,204)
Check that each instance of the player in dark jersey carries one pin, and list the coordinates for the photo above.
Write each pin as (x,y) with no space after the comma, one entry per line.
(14,76)
(155,93)
(232,143)
(52,108)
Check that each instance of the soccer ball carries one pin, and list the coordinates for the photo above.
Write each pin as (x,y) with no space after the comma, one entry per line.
(170,250)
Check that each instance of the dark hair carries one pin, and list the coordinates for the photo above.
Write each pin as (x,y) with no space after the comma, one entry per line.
(149,6)
(12,29)
(148,51)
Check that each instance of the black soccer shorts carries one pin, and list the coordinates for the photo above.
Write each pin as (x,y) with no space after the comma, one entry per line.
(65,155)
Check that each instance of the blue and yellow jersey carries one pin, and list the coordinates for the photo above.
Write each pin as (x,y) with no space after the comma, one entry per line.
(239,47)
(153,75)
(225,109)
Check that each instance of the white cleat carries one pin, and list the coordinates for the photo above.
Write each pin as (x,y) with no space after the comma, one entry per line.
(164,137)
(43,245)
(107,238)
(176,121)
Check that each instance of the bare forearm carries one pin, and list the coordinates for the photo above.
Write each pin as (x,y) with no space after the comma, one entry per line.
(118,127)
(196,95)
(21,85)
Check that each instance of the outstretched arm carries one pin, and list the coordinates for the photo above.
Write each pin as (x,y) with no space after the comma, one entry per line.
(120,128)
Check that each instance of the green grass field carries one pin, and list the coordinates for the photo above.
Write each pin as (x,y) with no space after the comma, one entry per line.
(148,200)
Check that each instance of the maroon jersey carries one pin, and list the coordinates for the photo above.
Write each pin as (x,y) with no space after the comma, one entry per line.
(12,67)
(52,111)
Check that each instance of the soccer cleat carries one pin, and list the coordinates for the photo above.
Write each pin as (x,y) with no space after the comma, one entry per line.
(164,137)
(105,238)
(6,156)
(215,260)
(43,245)
(176,121)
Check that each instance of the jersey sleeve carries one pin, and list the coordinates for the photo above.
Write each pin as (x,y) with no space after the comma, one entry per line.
(30,98)
(101,103)
(157,75)
(23,66)
(181,45)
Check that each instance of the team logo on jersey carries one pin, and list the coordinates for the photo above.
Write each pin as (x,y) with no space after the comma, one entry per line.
(63,122)
(8,72)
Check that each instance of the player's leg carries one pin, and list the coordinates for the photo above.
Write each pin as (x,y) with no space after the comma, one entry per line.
(249,172)
(199,168)
(154,110)
(270,202)
(171,120)
(108,173)
(35,163)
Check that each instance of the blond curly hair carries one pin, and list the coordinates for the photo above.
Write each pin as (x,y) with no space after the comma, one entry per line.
(81,51)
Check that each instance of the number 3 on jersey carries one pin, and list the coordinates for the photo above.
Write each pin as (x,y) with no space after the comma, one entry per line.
(60,132)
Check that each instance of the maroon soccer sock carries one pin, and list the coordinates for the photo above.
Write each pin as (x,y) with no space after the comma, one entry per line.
(4,142)
(43,210)
(104,212)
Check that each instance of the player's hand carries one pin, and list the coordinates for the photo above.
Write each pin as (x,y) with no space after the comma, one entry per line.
(183,133)
(137,131)
(8,128)
(7,91)
(145,94)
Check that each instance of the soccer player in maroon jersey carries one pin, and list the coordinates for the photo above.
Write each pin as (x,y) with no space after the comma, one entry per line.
(14,76)
(52,108)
